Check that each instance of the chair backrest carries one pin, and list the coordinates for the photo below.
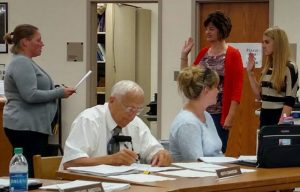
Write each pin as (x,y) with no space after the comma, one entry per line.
(46,167)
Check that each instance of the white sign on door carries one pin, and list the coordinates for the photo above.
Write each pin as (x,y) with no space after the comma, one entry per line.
(246,48)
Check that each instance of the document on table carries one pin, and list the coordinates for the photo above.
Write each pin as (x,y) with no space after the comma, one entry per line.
(149,168)
(189,173)
(142,178)
(77,184)
(73,186)
(104,170)
(249,158)
(218,160)
(83,78)
(200,166)
(107,170)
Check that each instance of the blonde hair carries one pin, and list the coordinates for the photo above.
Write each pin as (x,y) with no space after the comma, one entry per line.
(192,80)
(280,57)
(19,33)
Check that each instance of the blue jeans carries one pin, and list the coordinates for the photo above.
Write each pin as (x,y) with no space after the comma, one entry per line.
(223,133)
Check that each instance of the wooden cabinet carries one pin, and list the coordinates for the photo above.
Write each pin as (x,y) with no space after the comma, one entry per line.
(5,147)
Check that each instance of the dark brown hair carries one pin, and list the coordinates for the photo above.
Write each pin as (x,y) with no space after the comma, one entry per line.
(221,22)
(19,33)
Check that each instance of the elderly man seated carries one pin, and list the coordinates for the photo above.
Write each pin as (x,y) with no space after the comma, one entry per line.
(112,133)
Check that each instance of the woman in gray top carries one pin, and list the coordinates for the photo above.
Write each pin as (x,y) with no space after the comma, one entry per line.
(31,97)
(193,132)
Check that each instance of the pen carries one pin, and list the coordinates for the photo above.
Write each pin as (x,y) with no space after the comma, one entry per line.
(139,157)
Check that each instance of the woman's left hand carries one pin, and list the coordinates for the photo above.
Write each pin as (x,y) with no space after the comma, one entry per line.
(68,91)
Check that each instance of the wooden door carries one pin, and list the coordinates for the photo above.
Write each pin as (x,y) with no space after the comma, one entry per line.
(249,20)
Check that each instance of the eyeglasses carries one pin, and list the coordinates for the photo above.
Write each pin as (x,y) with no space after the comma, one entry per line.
(130,109)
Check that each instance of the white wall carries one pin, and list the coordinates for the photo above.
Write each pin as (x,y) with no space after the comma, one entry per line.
(176,28)
(59,22)
(287,17)
(63,21)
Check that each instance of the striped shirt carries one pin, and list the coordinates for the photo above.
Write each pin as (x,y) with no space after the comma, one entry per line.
(271,99)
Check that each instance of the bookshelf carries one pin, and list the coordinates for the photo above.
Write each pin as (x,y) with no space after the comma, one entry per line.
(123,48)
(101,58)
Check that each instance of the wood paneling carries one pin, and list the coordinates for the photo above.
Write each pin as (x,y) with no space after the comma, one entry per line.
(249,20)
(5,147)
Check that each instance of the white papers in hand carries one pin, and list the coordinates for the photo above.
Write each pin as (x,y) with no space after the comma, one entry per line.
(188,173)
(83,78)
(200,166)
(1,88)
(142,178)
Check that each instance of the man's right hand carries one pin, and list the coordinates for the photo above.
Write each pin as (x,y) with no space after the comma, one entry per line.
(124,157)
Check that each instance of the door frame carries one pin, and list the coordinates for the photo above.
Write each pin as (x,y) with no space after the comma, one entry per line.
(195,18)
(91,48)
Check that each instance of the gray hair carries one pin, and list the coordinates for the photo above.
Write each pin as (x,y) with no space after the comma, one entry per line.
(125,86)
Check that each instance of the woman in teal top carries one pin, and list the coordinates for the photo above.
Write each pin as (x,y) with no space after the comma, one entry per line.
(193,133)
(31,97)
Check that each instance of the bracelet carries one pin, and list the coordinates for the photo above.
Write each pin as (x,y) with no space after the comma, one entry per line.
(184,59)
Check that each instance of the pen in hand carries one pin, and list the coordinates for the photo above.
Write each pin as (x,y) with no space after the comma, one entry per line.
(139,157)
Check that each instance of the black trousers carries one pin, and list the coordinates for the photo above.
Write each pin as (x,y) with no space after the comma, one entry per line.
(33,143)
(223,133)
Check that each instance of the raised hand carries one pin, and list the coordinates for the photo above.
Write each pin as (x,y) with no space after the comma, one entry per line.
(251,62)
(188,45)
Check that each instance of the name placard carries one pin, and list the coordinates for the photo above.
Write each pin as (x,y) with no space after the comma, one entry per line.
(228,172)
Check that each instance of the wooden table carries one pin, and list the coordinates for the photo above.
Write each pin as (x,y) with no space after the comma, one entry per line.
(133,188)
(261,180)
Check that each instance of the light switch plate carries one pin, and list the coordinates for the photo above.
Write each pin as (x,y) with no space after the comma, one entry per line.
(74,51)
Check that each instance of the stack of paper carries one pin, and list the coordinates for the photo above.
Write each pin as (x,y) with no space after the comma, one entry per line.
(142,178)
(200,166)
(104,170)
(218,160)
(149,168)
(73,186)
(207,167)
(81,184)
(188,173)
(227,160)
(109,170)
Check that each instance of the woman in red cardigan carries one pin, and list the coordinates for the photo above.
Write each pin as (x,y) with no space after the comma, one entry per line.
(227,61)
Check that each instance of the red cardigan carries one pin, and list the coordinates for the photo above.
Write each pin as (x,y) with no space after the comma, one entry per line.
(233,78)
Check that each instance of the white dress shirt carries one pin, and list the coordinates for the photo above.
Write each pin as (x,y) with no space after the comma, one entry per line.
(92,130)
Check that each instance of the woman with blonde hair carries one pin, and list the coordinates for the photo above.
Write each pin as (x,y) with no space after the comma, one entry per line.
(29,112)
(193,132)
(278,85)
